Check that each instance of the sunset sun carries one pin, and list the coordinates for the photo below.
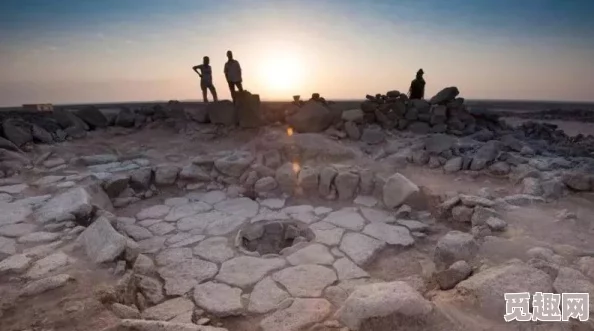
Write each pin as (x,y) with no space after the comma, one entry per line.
(282,72)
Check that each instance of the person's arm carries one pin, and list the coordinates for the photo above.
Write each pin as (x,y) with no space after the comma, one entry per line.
(195,68)
(239,69)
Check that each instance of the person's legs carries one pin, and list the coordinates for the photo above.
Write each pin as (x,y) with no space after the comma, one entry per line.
(239,86)
(232,90)
(203,86)
(213,91)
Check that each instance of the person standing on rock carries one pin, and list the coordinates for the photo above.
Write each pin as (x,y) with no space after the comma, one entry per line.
(206,79)
(417,86)
(233,74)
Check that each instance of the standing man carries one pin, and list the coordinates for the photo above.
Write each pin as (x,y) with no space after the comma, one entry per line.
(417,86)
(206,79)
(233,74)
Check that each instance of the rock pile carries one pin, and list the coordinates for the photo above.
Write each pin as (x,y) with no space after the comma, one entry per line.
(445,112)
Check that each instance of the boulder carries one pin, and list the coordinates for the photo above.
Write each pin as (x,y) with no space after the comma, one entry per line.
(439,143)
(248,109)
(346,183)
(456,273)
(353,115)
(453,165)
(222,112)
(578,181)
(234,164)
(352,130)
(382,300)
(102,243)
(327,176)
(373,135)
(125,118)
(438,115)
(488,287)
(17,131)
(312,117)
(454,246)
(8,145)
(397,190)
(485,155)
(265,184)
(419,127)
(93,117)
(41,135)
(166,174)
(286,176)
(445,96)
(299,315)
(77,204)
(308,179)
(192,172)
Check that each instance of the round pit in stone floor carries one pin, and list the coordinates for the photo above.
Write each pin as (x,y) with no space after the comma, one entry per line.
(272,237)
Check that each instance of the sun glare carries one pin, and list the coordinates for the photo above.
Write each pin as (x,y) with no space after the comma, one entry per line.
(281,72)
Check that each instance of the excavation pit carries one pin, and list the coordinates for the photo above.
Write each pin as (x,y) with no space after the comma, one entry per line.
(272,237)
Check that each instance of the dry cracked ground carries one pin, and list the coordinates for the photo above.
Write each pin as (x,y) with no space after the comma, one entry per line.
(212,229)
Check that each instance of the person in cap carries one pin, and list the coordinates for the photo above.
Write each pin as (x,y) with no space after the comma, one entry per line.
(417,86)
(205,74)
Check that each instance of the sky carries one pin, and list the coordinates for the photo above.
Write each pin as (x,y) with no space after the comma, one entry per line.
(79,51)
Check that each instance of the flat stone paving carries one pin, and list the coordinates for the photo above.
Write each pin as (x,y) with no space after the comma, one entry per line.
(189,241)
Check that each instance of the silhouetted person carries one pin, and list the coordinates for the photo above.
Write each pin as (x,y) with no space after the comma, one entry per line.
(233,74)
(417,86)
(206,79)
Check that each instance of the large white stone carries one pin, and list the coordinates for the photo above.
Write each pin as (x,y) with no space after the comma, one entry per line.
(391,234)
(225,225)
(246,271)
(17,230)
(312,254)
(305,280)
(102,243)
(153,212)
(360,248)
(48,264)
(39,286)
(191,240)
(7,247)
(273,203)
(397,190)
(211,198)
(326,233)
(346,218)
(218,299)
(76,203)
(168,309)
(215,249)
(179,212)
(235,164)
(13,189)
(244,207)
(302,313)
(151,245)
(346,269)
(266,296)
(173,256)
(382,300)
(15,264)
(136,232)
(38,237)
(198,223)
(13,213)
(161,228)
(182,277)
(377,215)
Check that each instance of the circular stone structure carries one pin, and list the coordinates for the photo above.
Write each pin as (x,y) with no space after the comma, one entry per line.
(272,237)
